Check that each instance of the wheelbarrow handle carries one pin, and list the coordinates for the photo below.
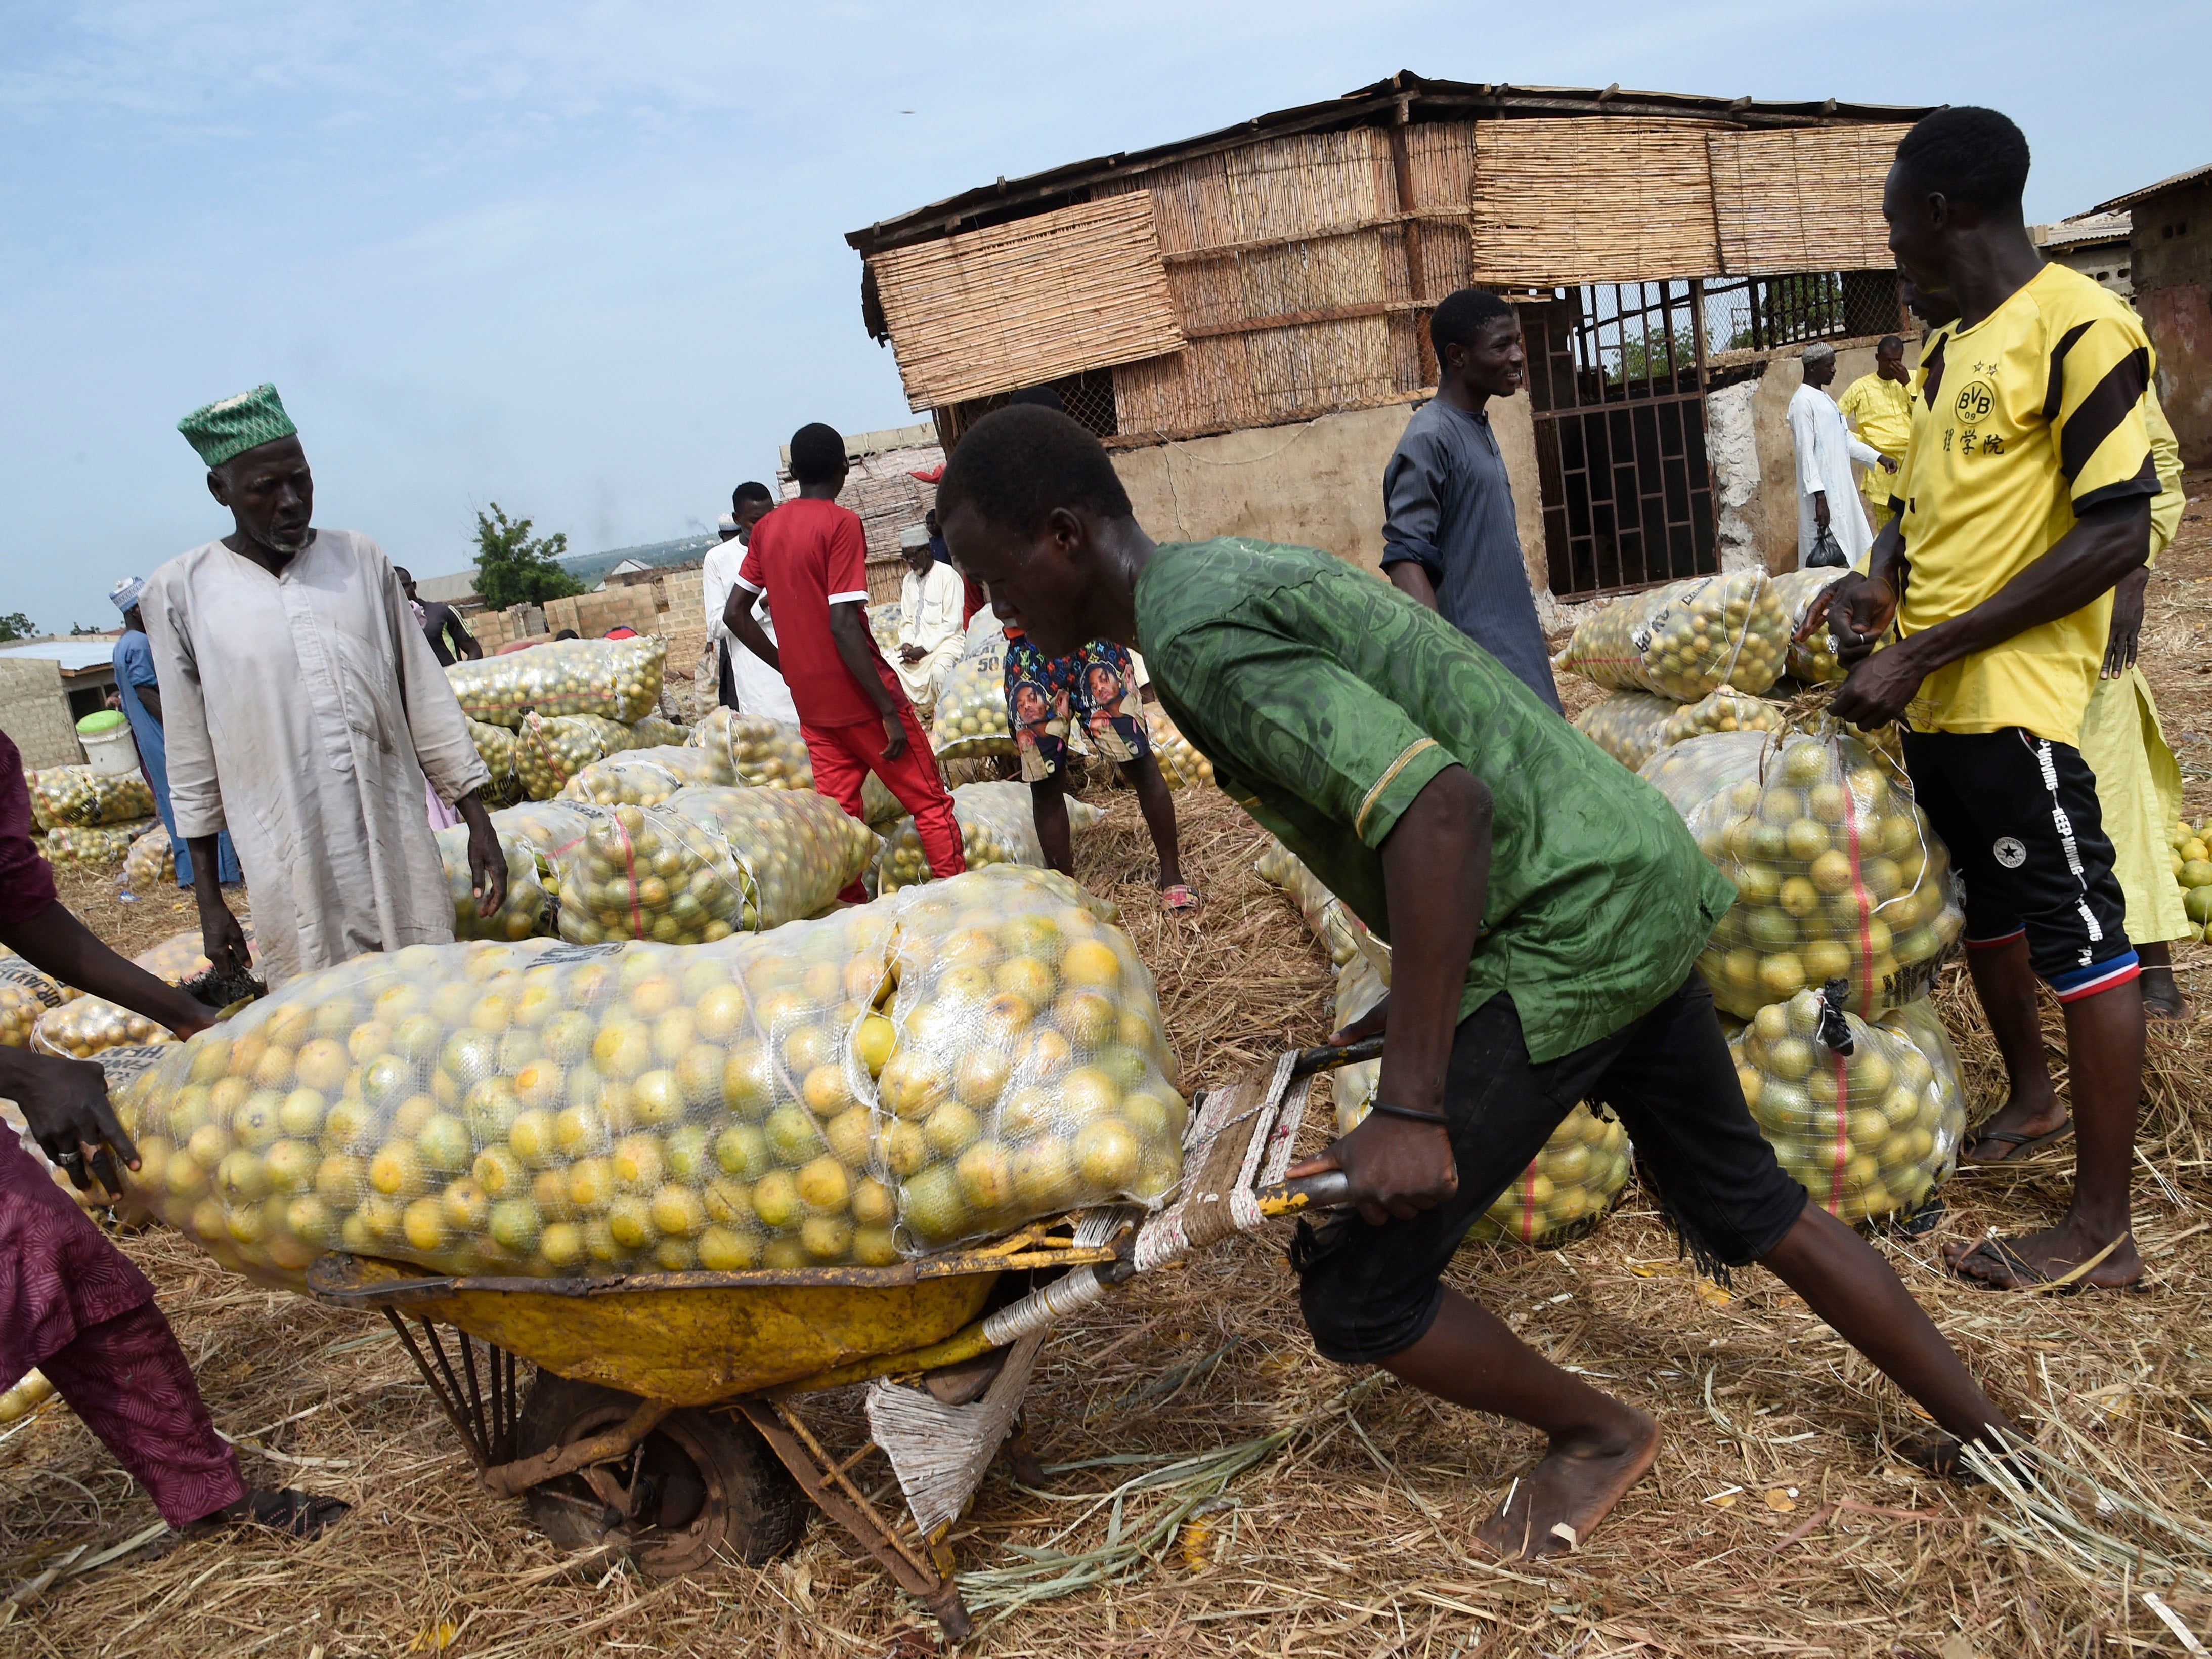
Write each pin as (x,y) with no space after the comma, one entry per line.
(1331,1189)
(1330,1055)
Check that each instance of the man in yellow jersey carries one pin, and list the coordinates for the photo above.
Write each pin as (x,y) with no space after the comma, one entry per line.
(1880,406)
(2024,500)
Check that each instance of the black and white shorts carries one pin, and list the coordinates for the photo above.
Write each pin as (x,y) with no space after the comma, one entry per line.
(2020,814)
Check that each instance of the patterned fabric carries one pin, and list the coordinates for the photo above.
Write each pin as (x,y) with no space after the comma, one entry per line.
(59,1277)
(128,1383)
(235,425)
(26,881)
(1326,700)
(1077,701)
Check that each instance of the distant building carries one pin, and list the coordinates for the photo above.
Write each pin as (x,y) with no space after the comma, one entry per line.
(1242,317)
(2094,243)
(46,686)
(2170,264)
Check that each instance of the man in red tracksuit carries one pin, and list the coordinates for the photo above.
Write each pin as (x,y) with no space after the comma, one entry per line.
(811,557)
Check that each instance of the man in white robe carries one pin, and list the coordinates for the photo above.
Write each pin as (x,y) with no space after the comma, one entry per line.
(929,632)
(303,709)
(1827,493)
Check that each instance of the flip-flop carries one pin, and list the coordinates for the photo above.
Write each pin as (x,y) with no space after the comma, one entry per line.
(1181,896)
(2006,1257)
(2024,1146)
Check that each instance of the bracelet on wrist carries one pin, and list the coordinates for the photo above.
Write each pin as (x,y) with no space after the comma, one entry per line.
(1413,1114)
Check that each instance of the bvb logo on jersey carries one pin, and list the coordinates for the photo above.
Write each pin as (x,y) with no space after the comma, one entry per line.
(1976,399)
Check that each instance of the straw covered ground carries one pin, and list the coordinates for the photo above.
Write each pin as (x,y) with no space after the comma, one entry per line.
(1273,1504)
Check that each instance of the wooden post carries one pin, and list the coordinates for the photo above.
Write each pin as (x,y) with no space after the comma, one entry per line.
(1402,171)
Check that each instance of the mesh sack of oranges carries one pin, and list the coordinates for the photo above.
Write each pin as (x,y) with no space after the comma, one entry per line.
(1025,1071)
(1179,763)
(971,708)
(646,777)
(151,863)
(2192,870)
(883,625)
(25,1396)
(25,995)
(1861,1116)
(1813,660)
(769,754)
(496,749)
(77,796)
(523,913)
(540,1109)
(548,750)
(709,863)
(1685,639)
(1631,727)
(998,825)
(1329,916)
(1567,1186)
(615,679)
(86,1026)
(1837,875)
(105,843)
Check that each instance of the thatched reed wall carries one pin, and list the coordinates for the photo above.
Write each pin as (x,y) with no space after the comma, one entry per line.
(1802,198)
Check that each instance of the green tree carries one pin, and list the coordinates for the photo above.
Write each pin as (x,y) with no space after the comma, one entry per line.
(16,626)
(515,568)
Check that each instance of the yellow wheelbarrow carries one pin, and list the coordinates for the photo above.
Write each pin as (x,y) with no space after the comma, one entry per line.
(663,1421)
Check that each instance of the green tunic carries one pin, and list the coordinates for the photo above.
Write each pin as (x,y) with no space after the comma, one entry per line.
(1326,699)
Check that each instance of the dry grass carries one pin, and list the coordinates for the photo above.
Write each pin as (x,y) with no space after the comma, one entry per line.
(1353,1536)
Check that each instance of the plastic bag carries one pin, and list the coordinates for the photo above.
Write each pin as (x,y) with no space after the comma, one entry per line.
(971,708)
(1568,1185)
(998,825)
(1028,1073)
(1918,1023)
(1329,916)
(109,843)
(772,755)
(549,752)
(495,748)
(80,797)
(1180,763)
(615,679)
(1684,639)
(543,1110)
(25,995)
(710,863)
(654,731)
(883,626)
(1854,1112)
(26,1395)
(151,863)
(1631,727)
(1837,873)
(1814,661)
(524,913)
(86,1026)
(646,777)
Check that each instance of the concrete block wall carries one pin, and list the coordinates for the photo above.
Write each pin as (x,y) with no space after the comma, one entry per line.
(34,711)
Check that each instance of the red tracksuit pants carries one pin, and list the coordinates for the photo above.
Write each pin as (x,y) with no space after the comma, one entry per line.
(844,755)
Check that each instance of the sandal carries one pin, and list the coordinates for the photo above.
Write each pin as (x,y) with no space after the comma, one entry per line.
(284,1510)
(2023,1147)
(1179,898)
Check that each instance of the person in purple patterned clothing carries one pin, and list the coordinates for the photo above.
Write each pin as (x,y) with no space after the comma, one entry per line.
(71,1305)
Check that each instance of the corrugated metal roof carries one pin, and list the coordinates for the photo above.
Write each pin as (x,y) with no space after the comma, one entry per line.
(1423,99)
(2083,228)
(75,655)
(2190,177)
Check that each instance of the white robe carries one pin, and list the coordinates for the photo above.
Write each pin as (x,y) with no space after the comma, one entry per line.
(303,712)
(929,616)
(1826,449)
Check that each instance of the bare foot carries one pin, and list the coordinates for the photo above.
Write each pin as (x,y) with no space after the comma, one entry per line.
(2017,1127)
(1558,1504)
(2017,1264)
(2161,996)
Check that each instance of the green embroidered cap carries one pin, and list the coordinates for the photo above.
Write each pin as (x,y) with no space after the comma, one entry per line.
(235,425)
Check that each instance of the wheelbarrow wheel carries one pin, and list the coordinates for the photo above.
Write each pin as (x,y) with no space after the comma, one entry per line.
(706,1486)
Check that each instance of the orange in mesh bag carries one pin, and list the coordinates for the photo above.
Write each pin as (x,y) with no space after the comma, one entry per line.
(1863,1117)
(768,754)
(1685,639)
(1631,727)
(1837,875)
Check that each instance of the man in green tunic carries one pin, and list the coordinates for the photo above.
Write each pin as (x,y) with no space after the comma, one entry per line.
(1544,909)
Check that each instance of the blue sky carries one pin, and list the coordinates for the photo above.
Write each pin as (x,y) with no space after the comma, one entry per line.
(586,259)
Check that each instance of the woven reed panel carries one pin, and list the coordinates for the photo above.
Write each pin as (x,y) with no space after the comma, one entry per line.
(1597,199)
(1020,304)
(1803,198)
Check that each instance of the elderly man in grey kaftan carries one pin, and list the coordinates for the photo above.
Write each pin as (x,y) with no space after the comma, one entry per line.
(303,709)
